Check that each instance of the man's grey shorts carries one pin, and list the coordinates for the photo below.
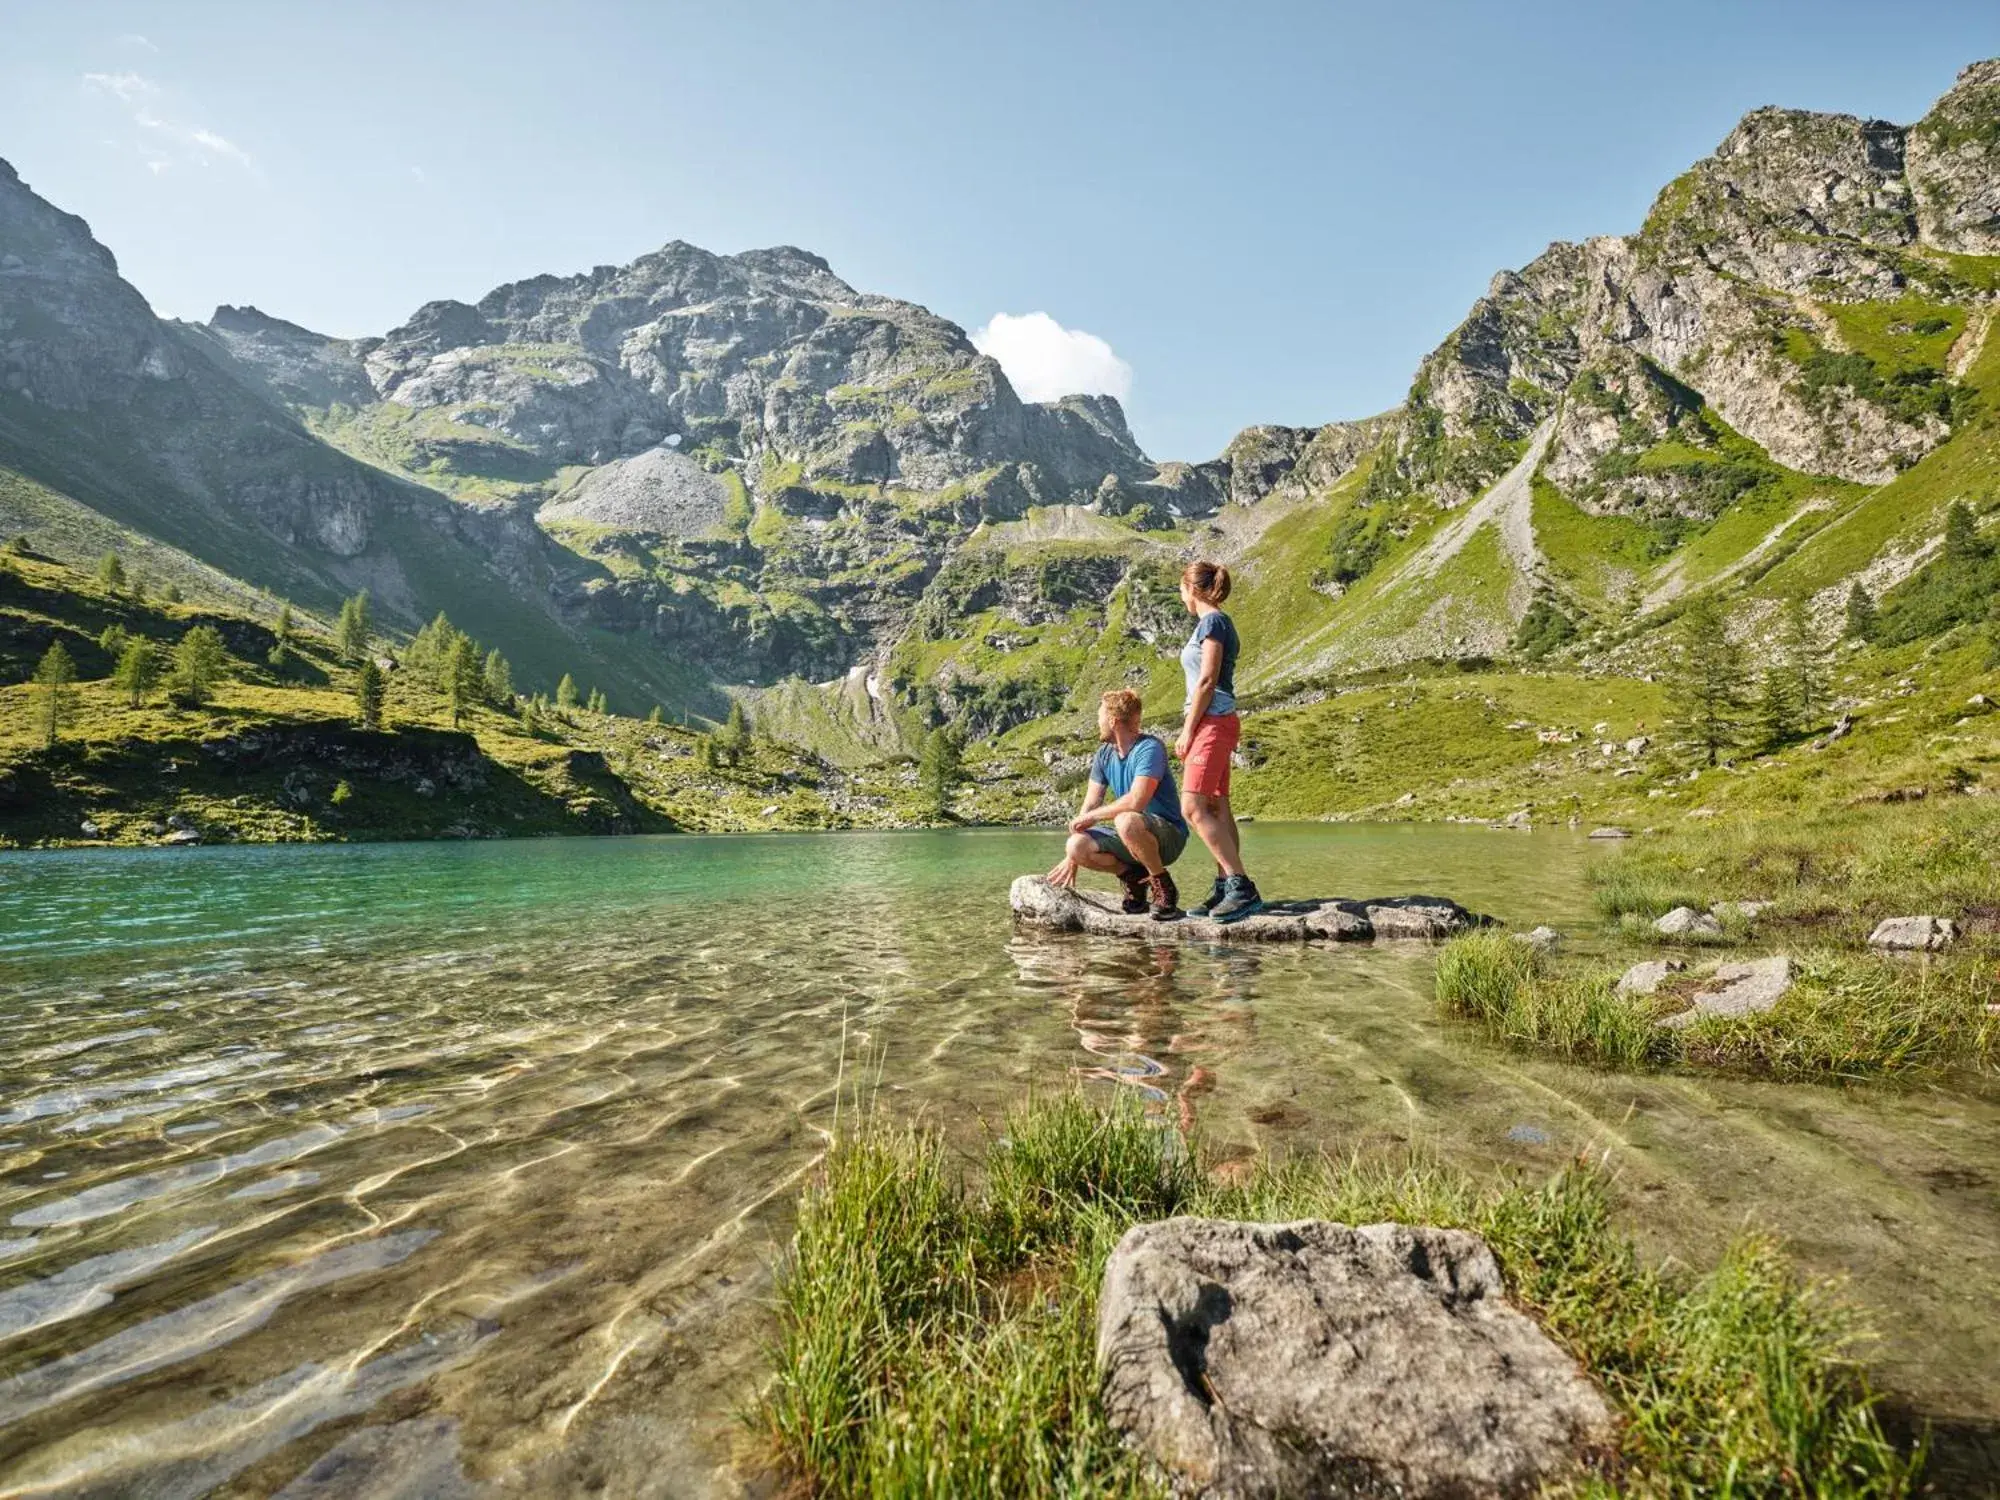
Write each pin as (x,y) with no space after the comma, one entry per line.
(1172,839)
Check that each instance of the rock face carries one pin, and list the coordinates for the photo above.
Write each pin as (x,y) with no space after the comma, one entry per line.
(1744,989)
(1326,920)
(1277,1360)
(1914,934)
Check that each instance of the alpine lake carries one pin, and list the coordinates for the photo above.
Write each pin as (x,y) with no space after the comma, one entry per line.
(462,1169)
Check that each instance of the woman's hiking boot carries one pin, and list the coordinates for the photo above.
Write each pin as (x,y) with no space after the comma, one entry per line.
(1134,878)
(1212,900)
(1166,897)
(1239,900)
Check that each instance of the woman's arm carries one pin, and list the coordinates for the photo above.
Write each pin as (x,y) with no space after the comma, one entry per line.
(1201,697)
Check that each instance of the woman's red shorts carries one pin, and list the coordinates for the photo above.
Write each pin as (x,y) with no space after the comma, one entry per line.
(1207,767)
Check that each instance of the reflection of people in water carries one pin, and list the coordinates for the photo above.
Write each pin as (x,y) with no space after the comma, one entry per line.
(1148,1013)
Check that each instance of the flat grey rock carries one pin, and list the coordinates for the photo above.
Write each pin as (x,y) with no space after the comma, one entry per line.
(1268,1360)
(1611,833)
(1545,939)
(1646,978)
(1914,934)
(1686,922)
(1744,989)
(1324,920)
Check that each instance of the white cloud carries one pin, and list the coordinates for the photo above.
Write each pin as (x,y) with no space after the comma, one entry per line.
(1045,360)
(134,39)
(165,138)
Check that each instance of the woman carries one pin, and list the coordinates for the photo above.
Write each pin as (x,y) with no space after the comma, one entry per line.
(1207,739)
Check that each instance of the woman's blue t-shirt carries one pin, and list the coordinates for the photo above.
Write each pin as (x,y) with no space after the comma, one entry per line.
(1214,625)
(1147,757)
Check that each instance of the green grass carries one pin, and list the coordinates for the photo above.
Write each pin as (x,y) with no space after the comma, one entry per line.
(935,1325)
(1847,1015)
(1841,869)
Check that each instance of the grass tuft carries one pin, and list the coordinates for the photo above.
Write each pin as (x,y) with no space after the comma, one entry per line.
(937,1326)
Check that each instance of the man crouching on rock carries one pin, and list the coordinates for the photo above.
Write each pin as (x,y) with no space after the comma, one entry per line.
(1138,832)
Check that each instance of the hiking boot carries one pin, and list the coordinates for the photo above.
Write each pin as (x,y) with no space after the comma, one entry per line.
(1134,878)
(1239,900)
(1166,897)
(1213,899)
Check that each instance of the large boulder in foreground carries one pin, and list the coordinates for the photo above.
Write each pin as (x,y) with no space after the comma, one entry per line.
(1255,1360)
(1329,919)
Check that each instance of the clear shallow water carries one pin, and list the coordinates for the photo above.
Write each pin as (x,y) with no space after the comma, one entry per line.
(460,1168)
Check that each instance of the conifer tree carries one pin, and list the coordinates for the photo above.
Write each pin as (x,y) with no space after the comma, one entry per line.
(111,640)
(284,630)
(704,752)
(462,677)
(1777,721)
(198,663)
(56,677)
(369,693)
(531,719)
(940,768)
(1805,663)
(1706,686)
(498,681)
(1860,613)
(171,593)
(598,705)
(111,572)
(355,627)
(1961,534)
(566,693)
(656,717)
(138,669)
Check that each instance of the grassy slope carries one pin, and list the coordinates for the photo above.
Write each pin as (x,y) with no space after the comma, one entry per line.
(126,769)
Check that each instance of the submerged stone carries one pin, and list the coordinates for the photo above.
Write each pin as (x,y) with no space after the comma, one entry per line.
(1318,1359)
(1328,919)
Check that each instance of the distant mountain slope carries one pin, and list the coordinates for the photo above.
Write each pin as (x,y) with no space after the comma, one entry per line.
(701,474)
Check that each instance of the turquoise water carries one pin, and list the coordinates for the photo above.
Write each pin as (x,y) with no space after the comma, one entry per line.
(324,1168)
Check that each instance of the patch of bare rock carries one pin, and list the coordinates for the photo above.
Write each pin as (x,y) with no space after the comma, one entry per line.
(1266,1360)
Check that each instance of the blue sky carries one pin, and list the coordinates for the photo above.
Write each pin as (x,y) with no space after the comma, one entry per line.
(1267,212)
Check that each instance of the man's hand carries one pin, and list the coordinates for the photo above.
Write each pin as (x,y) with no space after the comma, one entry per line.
(1084,822)
(1064,873)
(1183,743)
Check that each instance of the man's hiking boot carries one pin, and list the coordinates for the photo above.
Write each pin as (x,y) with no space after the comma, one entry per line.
(1239,900)
(1134,878)
(1166,897)
(1212,900)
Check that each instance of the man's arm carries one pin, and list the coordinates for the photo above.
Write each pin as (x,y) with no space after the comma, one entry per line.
(1064,872)
(1097,811)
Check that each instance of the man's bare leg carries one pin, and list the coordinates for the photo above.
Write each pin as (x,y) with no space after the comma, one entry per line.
(1137,837)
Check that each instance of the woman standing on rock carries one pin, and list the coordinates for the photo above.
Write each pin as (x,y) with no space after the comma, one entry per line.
(1208,737)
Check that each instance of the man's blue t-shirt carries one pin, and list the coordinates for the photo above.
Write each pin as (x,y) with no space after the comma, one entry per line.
(1147,757)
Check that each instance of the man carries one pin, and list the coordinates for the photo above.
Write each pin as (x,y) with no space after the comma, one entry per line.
(1130,824)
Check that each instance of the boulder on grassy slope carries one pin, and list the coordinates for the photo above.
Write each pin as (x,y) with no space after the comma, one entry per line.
(1317,1359)
(1321,920)
(1914,934)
